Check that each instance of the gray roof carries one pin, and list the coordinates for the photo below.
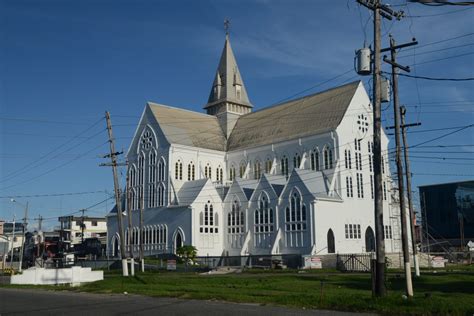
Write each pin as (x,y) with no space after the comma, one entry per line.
(316,182)
(277,182)
(227,77)
(313,114)
(247,186)
(189,128)
(190,191)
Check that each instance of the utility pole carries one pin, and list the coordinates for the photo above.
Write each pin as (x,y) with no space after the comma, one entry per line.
(380,10)
(40,222)
(398,159)
(425,224)
(83,225)
(409,193)
(142,235)
(130,229)
(13,244)
(23,237)
(113,157)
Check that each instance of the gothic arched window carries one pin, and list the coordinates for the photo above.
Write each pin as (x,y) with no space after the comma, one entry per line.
(296,161)
(295,215)
(208,220)
(328,159)
(284,166)
(315,160)
(268,165)
(264,216)
(178,170)
(257,169)
(191,171)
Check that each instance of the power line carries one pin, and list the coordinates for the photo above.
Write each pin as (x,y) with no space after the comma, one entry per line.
(446,40)
(432,78)
(437,50)
(442,136)
(38,162)
(52,169)
(442,158)
(51,194)
(438,14)
(438,3)
(441,59)
(436,129)
(443,146)
(79,211)
(32,120)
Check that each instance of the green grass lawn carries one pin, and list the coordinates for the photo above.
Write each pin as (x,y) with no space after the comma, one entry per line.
(440,293)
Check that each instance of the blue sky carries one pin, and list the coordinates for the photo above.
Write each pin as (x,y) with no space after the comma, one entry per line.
(63,63)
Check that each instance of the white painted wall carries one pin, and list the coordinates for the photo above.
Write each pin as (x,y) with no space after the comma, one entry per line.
(322,214)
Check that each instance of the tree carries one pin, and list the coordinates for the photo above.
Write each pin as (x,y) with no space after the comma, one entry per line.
(186,253)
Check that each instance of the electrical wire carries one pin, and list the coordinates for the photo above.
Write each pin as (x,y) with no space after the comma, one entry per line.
(50,194)
(40,161)
(437,14)
(432,78)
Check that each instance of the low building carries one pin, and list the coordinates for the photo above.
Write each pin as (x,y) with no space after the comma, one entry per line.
(12,232)
(72,229)
(448,213)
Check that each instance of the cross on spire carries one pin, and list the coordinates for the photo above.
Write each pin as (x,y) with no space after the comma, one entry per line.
(226,26)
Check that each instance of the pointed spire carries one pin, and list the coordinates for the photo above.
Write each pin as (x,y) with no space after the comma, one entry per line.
(232,88)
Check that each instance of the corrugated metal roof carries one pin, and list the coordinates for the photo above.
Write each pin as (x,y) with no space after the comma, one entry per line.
(189,128)
(313,114)
(227,77)
(190,191)
(247,186)
(316,183)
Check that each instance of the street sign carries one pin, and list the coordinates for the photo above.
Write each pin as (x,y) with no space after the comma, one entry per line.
(171,265)
(437,262)
(470,244)
(312,262)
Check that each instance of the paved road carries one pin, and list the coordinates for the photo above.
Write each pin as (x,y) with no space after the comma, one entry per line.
(41,302)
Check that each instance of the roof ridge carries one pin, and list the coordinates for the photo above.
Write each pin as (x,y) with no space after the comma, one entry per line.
(301,98)
(180,109)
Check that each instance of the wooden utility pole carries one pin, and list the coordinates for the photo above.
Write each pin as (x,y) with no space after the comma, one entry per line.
(380,10)
(40,222)
(130,228)
(142,235)
(409,193)
(13,244)
(425,224)
(23,237)
(83,226)
(380,289)
(398,160)
(113,157)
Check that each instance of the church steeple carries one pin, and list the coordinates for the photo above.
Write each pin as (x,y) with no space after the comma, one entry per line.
(228,98)
(228,86)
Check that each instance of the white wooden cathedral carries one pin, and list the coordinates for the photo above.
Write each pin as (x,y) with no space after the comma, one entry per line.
(295,178)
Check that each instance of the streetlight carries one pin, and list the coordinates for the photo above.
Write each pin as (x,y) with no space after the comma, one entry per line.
(23,232)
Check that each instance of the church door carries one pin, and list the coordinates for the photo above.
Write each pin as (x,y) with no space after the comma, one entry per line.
(331,242)
(369,240)
(178,241)
(116,248)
